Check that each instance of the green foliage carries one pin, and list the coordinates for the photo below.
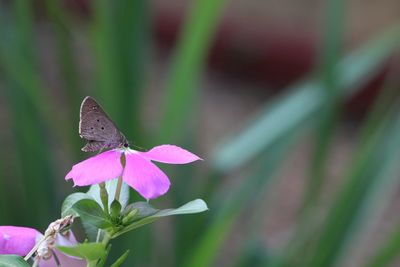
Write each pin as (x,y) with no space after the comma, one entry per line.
(121,259)
(12,261)
(94,192)
(44,140)
(147,214)
(88,251)
(115,209)
(190,54)
(70,201)
(91,213)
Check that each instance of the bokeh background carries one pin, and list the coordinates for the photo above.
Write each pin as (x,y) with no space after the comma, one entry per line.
(294,106)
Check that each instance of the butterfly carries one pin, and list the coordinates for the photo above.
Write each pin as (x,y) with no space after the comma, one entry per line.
(97,128)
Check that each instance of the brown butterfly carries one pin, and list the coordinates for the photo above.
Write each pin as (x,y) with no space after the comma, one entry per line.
(97,128)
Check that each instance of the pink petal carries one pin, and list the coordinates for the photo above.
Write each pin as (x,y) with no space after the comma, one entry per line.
(64,259)
(17,240)
(97,169)
(170,154)
(144,176)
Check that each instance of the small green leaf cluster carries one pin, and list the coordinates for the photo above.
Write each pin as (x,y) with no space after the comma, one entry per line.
(104,217)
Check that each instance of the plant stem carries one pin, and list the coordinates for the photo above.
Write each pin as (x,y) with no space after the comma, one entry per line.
(118,190)
(106,239)
(104,196)
(98,236)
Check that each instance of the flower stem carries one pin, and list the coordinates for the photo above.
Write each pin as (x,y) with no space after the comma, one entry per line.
(104,196)
(106,239)
(98,236)
(118,190)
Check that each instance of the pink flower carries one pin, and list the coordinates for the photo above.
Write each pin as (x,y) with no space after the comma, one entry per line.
(17,240)
(139,172)
(65,260)
(21,240)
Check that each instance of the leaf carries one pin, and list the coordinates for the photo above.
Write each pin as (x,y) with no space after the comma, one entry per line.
(187,65)
(103,259)
(87,251)
(91,212)
(294,110)
(195,206)
(66,208)
(115,209)
(144,209)
(91,231)
(111,186)
(121,259)
(375,161)
(229,208)
(12,261)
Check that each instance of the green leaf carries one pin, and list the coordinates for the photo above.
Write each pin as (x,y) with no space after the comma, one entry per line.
(188,62)
(143,209)
(87,251)
(91,231)
(12,261)
(91,212)
(375,161)
(294,110)
(103,259)
(115,209)
(195,206)
(111,186)
(230,206)
(121,259)
(388,253)
(66,208)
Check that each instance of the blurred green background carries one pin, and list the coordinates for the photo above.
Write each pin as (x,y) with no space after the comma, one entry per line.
(294,105)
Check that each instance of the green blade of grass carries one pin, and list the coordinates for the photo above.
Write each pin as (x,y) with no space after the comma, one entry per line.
(287,115)
(387,254)
(133,41)
(108,85)
(297,108)
(182,91)
(19,65)
(330,112)
(226,209)
(302,242)
(71,80)
(31,147)
(374,159)
(121,41)
(190,54)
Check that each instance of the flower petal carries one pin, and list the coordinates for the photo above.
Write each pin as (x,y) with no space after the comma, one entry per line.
(144,176)
(170,154)
(17,240)
(65,260)
(97,169)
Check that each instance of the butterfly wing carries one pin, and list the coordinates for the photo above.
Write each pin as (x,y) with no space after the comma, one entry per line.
(96,127)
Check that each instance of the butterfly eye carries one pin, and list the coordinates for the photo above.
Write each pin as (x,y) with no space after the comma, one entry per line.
(126,145)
